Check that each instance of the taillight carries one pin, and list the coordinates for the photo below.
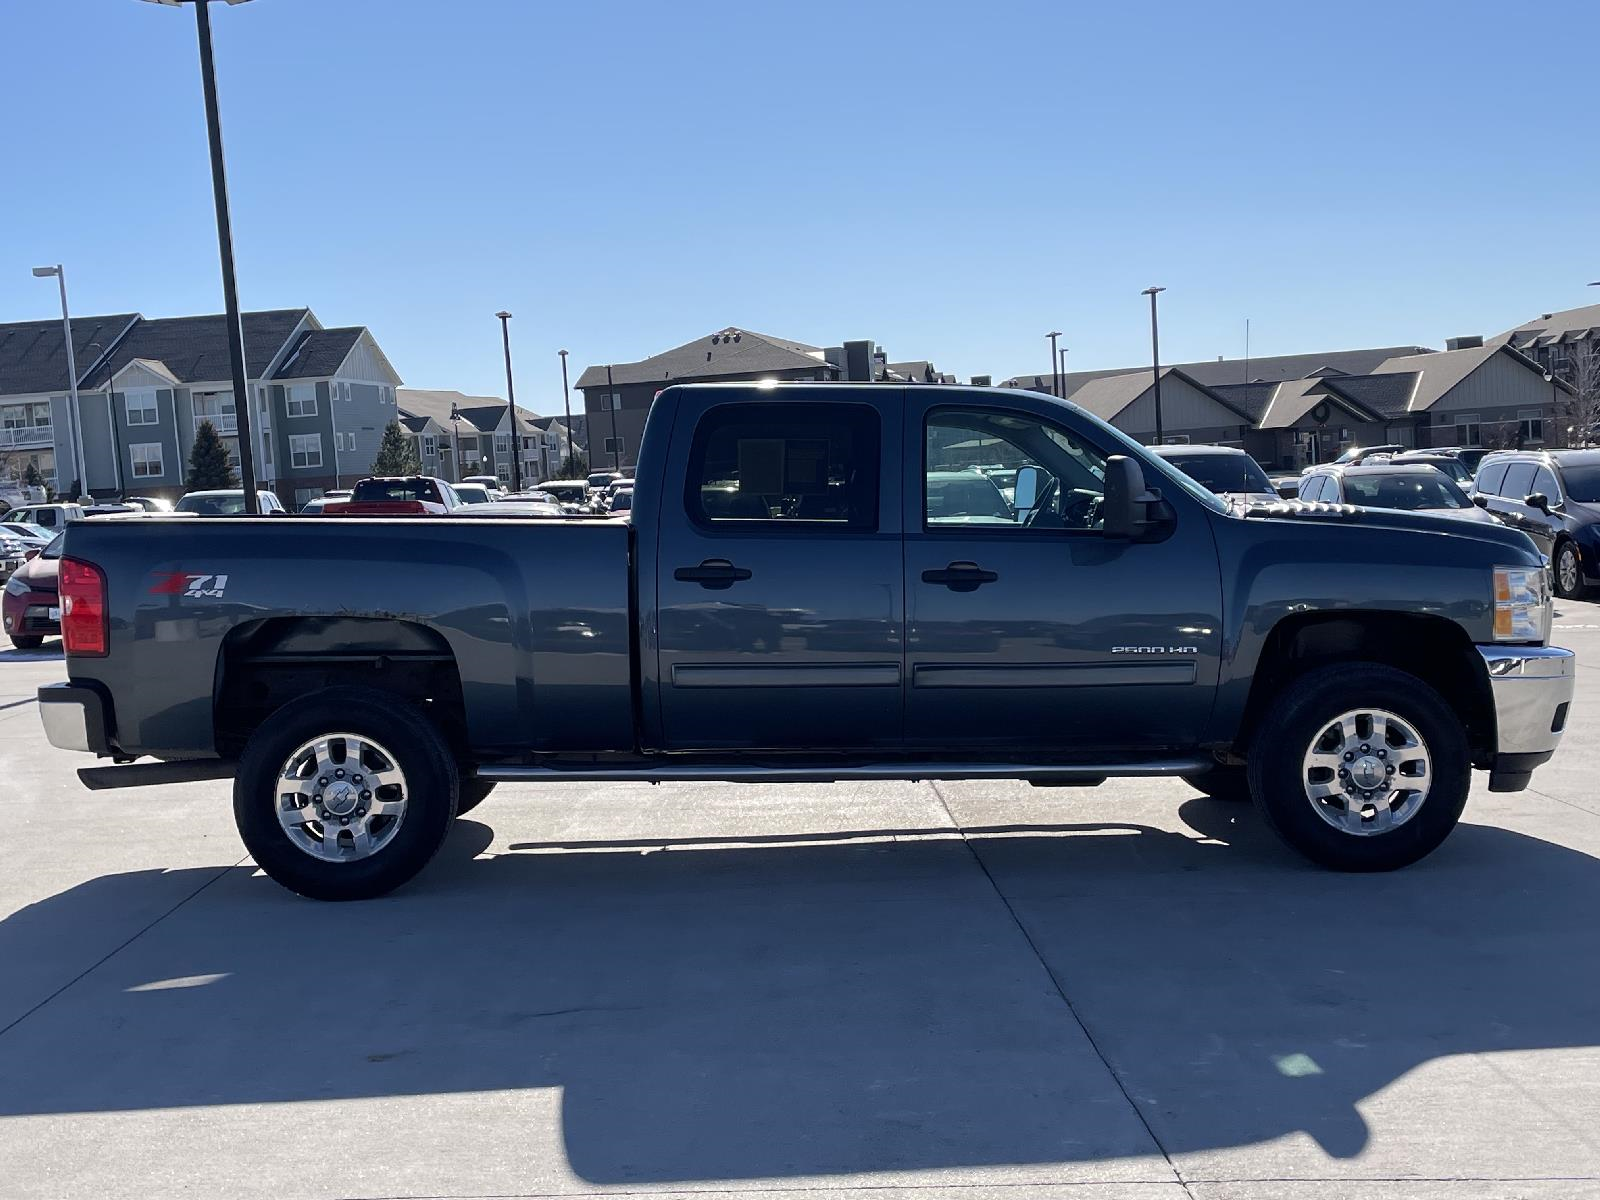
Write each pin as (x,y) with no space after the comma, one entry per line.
(83,608)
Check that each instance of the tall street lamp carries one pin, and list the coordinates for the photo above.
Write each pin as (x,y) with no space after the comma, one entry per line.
(511,405)
(230,291)
(611,403)
(1055,364)
(1062,359)
(1155,353)
(74,415)
(566,400)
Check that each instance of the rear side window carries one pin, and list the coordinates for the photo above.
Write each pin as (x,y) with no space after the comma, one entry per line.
(801,463)
(1519,481)
(1311,489)
(1490,478)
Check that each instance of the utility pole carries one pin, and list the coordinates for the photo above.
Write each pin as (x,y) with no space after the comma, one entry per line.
(1155,354)
(511,405)
(1055,365)
(566,400)
(611,403)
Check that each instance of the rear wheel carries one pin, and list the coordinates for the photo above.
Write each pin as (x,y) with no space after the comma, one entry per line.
(345,795)
(26,643)
(1567,568)
(1361,767)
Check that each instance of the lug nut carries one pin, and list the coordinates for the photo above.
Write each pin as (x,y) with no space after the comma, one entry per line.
(366,795)
(339,774)
(317,799)
(1366,749)
(361,810)
(1349,756)
(1344,772)
(1383,753)
(344,820)
(355,779)
(323,782)
(1389,770)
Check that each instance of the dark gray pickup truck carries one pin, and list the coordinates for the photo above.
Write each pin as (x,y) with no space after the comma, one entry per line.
(819,582)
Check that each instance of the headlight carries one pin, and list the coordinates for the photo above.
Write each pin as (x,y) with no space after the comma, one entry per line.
(17,587)
(1522,604)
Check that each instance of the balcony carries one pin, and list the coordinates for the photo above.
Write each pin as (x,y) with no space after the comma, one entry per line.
(27,437)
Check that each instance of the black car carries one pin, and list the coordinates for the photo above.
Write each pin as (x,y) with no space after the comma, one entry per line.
(1553,494)
(1450,464)
(1408,487)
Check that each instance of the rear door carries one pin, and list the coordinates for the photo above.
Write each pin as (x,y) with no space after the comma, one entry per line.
(780,603)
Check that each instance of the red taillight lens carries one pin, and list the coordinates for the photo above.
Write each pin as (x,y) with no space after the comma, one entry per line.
(83,607)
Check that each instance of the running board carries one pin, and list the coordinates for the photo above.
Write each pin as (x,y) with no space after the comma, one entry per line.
(185,770)
(1044,773)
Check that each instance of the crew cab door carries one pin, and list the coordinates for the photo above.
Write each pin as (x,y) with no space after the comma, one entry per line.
(779,598)
(1033,631)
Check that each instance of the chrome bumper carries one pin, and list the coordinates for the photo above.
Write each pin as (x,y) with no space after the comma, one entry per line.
(1532,688)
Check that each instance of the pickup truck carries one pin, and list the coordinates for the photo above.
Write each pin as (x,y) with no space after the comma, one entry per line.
(792,601)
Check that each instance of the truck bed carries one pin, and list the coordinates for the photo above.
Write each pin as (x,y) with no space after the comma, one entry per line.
(532,618)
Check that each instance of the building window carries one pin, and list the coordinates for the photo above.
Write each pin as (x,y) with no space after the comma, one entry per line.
(140,407)
(216,407)
(1469,430)
(502,443)
(1530,426)
(430,446)
(305,450)
(146,460)
(503,474)
(302,400)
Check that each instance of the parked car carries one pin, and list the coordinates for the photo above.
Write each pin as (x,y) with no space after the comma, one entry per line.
(489,483)
(600,480)
(1414,487)
(1553,495)
(1470,456)
(472,493)
(396,496)
(1356,454)
(226,502)
(110,510)
(1226,470)
(1347,667)
(32,537)
(1449,464)
(150,503)
(511,508)
(14,551)
(621,503)
(31,606)
(53,517)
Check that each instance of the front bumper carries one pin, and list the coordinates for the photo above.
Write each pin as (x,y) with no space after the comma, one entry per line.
(29,614)
(74,717)
(1532,688)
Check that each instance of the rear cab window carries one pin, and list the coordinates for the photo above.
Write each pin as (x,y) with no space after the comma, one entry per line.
(787,464)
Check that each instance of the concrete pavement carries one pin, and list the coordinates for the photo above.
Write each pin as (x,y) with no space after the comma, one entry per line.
(897,990)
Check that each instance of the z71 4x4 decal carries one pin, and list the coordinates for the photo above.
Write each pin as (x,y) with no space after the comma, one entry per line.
(188,584)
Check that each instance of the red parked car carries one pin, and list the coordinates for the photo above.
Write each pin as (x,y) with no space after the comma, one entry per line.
(32,606)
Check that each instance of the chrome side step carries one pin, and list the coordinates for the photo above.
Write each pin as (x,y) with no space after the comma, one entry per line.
(670,772)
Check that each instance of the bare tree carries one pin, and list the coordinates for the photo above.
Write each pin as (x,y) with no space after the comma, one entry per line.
(1577,413)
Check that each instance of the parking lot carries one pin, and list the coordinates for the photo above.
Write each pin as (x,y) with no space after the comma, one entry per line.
(930,990)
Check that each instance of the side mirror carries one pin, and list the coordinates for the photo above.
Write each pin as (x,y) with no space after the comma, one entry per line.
(1289,491)
(1481,501)
(1025,495)
(1128,502)
(1538,500)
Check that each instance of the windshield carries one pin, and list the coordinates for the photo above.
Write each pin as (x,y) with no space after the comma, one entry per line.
(1582,483)
(1452,467)
(369,490)
(1223,472)
(23,529)
(1410,492)
(213,506)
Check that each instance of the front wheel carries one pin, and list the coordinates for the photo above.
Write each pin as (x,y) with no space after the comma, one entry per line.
(345,795)
(1568,571)
(1361,767)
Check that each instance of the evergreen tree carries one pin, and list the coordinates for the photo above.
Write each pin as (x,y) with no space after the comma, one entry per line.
(575,466)
(397,454)
(33,477)
(208,461)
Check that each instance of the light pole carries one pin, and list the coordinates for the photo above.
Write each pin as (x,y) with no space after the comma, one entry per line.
(511,404)
(230,291)
(611,403)
(74,416)
(1155,353)
(566,400)
(455,442)
(1055,364)
(1062,358)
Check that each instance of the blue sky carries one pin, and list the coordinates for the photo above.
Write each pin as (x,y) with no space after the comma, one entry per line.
(950,180)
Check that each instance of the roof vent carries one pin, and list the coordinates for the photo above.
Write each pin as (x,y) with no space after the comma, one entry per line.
(1545,316)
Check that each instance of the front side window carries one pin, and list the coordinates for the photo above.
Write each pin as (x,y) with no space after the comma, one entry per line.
(302,400)
(1545,483)
(1519,481)
(305,450)
(146,459)
(973,464)
(811,463)
(140,406)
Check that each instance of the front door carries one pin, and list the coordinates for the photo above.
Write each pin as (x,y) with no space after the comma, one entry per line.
(1029,630)
(780,604)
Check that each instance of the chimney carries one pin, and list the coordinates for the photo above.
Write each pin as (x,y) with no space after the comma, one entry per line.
(858,362)
(983,381)
(1470,342)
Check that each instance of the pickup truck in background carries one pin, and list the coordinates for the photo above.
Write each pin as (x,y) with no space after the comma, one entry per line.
(395,496)
(804,593)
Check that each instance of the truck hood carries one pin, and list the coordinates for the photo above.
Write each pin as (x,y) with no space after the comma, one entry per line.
(1473,522)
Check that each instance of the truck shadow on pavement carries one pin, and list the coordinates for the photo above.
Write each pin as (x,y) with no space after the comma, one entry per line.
(757,1009)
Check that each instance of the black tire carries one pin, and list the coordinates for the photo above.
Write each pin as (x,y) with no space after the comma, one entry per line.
(27,643)
(1566,562)
(471,793)
(418,749)
(1309,704)
(1222,783)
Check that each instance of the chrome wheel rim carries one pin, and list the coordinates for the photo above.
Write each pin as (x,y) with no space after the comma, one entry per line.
(1367,772)
(1567,569)
(341,797)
